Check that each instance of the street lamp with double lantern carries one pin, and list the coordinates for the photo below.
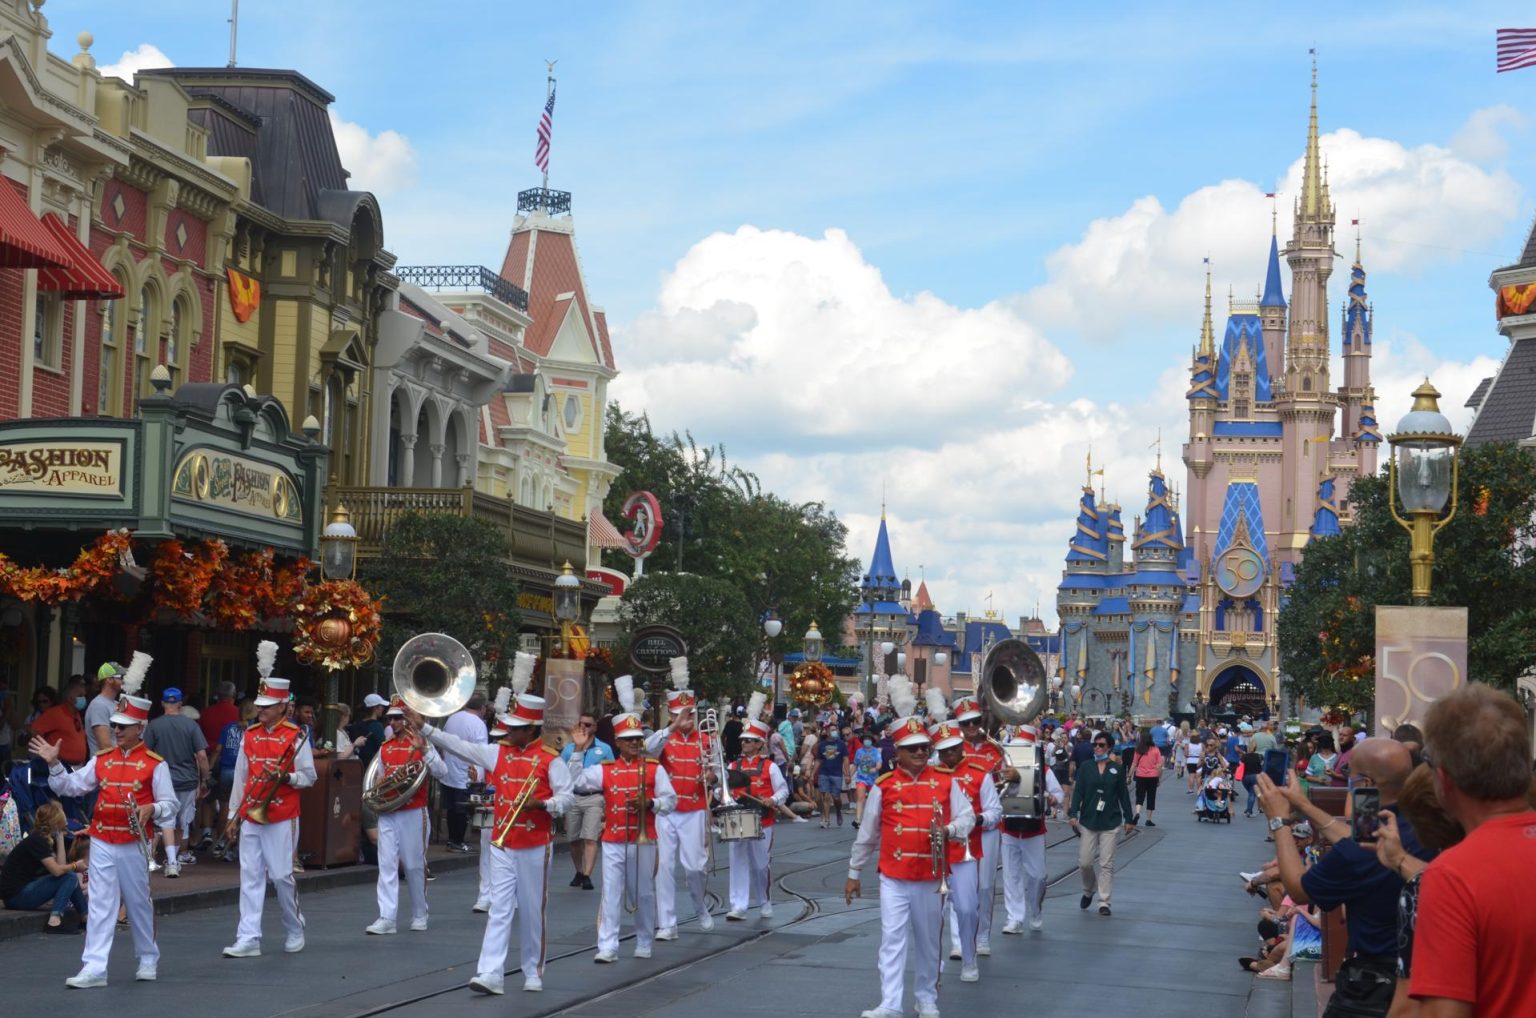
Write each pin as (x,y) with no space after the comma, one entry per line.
(1424,468)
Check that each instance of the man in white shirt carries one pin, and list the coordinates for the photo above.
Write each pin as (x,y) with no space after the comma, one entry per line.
(467,724)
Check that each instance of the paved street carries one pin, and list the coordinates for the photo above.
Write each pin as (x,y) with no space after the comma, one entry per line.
(1179,922)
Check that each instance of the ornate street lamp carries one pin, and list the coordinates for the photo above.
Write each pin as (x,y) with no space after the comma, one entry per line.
(812,644)
(772,627)
(567,604)
(338,546)
(1424,469)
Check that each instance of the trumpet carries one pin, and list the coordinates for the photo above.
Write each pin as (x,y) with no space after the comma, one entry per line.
(500,837)
(140,837)
(938,846)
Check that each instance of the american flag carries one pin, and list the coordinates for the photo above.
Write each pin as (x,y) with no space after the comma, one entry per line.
(1517,48)
(546,124)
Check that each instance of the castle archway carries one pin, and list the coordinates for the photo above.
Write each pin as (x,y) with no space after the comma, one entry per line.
(1240,689)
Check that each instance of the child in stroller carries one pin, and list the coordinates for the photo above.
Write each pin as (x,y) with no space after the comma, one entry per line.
(1214,801)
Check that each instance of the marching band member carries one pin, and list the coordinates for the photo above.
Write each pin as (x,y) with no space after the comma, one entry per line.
(635,791)
(983,752)
(750,860)
(529,793)
(900,816)
(682,835)
(135,794)
(981,793)
(273,763)
(404,833)
(497,733)
(1024,856)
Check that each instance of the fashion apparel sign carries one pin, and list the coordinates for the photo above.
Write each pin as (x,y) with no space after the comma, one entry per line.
(237,483)
(77,468)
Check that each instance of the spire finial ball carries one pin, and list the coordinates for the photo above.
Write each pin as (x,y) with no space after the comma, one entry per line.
(85,40)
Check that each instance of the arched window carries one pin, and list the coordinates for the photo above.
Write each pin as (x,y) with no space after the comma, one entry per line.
(178,340)
(145,346)
(109,382)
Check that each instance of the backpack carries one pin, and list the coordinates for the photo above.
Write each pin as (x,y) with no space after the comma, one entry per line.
(10,824)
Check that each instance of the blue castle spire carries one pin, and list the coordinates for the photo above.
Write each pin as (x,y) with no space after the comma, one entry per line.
(1325,521)
(1357,313)
(1159,530)
(1274,295)
(1090,544)
(880,585)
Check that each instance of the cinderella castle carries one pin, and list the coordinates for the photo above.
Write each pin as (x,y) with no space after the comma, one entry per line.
(1187,620)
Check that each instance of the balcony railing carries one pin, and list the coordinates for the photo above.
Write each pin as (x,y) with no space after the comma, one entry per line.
(460,278)
(534,537)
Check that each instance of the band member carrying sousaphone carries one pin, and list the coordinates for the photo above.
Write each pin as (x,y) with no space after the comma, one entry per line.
(682,836)
(911,818)
(134,791)
(395,788)
(965,873)
(754,779)
(529,793)
(274,761)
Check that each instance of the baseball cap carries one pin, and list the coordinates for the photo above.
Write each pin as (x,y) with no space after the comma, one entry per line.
(110,670)
(171,695)
(794,712)
(375,700)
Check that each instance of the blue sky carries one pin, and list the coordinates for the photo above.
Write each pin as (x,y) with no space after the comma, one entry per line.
(1024,196)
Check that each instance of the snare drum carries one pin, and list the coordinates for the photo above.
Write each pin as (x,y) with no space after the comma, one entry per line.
(740,823)
(481,802)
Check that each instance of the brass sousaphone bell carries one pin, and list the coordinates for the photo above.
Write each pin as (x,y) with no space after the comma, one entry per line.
(435,675)
(1013,687)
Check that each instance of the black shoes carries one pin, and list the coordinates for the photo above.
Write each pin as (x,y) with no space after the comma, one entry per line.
(1103,910)
(576,880)
(586,882)
(1151,823)
(1086,900)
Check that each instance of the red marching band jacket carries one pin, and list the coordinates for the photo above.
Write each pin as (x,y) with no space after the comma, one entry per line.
(514,767)
(985,755)
(398,752)
(123,778)
(265,749)
(621,780)
(906,818)
(685,758)
(761,785)
(969,775)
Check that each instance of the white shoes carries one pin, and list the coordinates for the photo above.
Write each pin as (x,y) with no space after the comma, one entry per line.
(146,973)
(481,906)
(419,924)
(706,921)
(380,927)
(667,933)
(294,944)
(533,984)
(487,985)
(173,869)
(1012,927)
(767,912)
(1037,923)
(642,952)
(954,954)
(970,974)
(85,980)
(983,950)
(605,957)
(880,1012)
(243,949)
(927,1011)
(735,915)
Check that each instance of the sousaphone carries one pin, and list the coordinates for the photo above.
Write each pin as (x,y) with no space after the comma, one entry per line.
(1014,690)
(435,675)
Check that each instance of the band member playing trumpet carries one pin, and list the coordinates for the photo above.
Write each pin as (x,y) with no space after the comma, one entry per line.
(754,778)
(682,835)
(635,791)
(404,832)
(135,793)
(529,792)
(273,763)
(965,875)
(915,817)
(984,753)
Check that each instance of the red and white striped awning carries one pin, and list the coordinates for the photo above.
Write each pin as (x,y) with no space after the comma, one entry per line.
(25,243)
(601,533)
(83,278)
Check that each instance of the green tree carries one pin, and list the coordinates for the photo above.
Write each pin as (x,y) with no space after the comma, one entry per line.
(450,574)
(716,622)
(1483,562)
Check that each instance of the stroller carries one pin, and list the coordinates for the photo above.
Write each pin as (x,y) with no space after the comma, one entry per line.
(1215,800)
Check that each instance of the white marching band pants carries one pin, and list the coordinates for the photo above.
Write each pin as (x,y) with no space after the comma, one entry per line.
(403,837)
(986,892)
(519,885)
(637,865)
(681,839)
(750,872)
(913,905)
(1023,877)
(961,904)
(485,865)
(266,853)
(118,870)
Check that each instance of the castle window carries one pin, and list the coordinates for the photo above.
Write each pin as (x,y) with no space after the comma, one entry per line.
(1240,408)
(1306,383)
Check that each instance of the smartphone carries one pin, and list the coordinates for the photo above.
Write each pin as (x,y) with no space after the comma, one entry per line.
(1365,803)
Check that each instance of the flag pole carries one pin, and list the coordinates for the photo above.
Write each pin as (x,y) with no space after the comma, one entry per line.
(549,90)
(234,28)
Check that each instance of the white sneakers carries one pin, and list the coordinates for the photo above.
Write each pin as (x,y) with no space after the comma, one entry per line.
(767,912)
(84,980)
(642,952)
(954,954)
(667,933)
(481,906)
(243,949)
(706,922)
(294,944)
(487,984)
(605,957)
(1012,927)
(735,915)
(533,984)
(970,973)
(173,869)
(983,950)
(419,924)
(927,1011)
(1037,923)
(381,927)
(880,1012)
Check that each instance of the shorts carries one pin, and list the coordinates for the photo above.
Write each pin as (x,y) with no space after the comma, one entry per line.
(186,809)
(832,784)
(864,780)
(584,820)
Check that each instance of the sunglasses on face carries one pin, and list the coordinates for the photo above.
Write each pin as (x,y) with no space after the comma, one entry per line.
(116,727)
(586,724)
(1101,745)
(970,723)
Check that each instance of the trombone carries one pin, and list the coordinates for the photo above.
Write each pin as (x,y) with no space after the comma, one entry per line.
(635,815)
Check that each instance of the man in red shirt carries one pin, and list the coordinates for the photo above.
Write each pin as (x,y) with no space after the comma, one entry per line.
(1473,954)
(63,725)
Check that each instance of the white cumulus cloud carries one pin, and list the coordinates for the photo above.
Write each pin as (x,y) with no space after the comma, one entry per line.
(383,163)
(142,58)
